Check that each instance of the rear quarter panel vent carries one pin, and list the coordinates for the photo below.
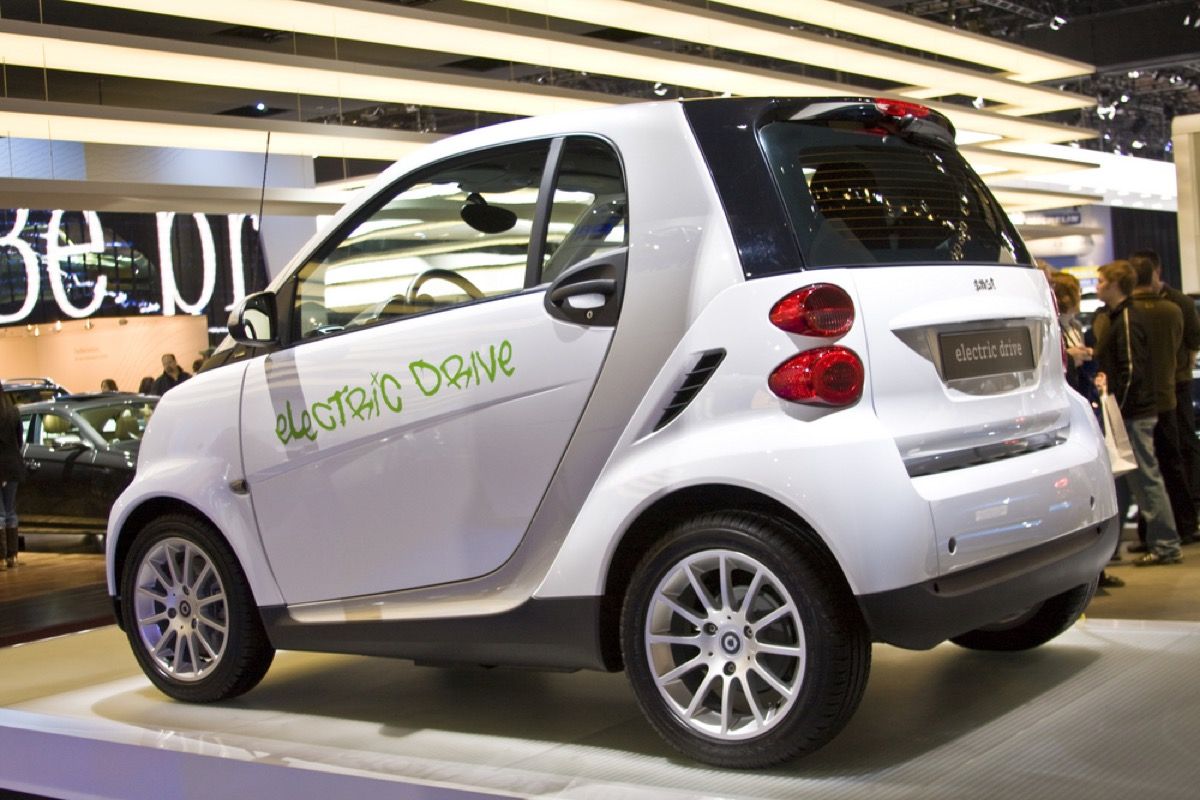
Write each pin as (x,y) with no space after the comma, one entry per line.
(690,386)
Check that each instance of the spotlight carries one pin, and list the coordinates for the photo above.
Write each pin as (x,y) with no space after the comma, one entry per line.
(1137,144)
(1057,23)
(978,102)
(661,90)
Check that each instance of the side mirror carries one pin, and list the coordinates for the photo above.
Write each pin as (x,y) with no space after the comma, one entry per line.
(252,322)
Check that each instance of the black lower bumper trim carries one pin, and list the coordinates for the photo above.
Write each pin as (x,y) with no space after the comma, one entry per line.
(921,616)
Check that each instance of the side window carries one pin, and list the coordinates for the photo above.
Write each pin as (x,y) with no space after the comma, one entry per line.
(454,235)
(57,431)
(590,208)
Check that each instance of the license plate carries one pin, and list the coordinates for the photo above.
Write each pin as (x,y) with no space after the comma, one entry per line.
(979,353)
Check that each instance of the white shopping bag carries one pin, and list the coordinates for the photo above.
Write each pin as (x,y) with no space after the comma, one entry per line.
(1116,440)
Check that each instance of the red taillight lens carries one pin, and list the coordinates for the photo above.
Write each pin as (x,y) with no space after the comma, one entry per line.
(831,376)
(900,108)
(818,310)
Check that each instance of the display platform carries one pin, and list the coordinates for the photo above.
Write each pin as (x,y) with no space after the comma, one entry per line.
(1110,709)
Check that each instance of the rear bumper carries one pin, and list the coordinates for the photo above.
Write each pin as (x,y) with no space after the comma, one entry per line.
(921,616)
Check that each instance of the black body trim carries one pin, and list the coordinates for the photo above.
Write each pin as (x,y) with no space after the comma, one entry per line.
(559,633)
(541,213)
(727,133)
(921,616)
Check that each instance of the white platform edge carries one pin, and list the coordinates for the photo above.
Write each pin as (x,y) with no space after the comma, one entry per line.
(84,760)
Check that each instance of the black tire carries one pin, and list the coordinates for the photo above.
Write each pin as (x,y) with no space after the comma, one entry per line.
(768,706)
(189,614)
(1033,627)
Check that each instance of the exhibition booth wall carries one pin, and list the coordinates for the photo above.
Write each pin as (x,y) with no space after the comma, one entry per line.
(78,354)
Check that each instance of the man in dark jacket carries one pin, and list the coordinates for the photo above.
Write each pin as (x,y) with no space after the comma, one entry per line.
(1185,358)
(172,375)
(1164,327)
(1123,356)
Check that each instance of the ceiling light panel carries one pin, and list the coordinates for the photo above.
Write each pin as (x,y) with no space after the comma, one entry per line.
(78,50)
(85,51)
(931,79)
(1018,63)
(372,22)
(405,27)
(71,122)
(143,57)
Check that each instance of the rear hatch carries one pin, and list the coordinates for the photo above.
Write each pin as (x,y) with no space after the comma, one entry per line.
(963,362)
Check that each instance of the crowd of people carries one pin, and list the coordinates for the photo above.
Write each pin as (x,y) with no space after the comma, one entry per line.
(1140,350)
(172,375)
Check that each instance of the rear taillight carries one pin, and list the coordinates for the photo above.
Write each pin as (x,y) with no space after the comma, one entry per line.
(900,108)
(1062,345)
(822,309)
(830,376)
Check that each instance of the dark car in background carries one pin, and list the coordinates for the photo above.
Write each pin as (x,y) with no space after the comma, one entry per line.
(32,390)
(80,453)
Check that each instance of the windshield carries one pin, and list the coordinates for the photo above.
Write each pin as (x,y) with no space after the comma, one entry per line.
(120,422)
(856,197)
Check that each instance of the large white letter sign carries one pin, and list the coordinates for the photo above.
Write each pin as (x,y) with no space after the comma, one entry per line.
(236,263)
(166,266)
(56,252)
(33,281)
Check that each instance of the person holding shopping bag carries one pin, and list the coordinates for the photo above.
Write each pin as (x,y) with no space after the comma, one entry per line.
(1122,353)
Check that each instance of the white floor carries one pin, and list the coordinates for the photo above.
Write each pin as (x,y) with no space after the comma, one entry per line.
(1110,709)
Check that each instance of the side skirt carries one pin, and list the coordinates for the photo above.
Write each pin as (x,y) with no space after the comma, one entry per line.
(559,633)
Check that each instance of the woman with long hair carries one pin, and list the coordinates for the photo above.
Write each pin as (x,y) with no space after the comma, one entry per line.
(12,472)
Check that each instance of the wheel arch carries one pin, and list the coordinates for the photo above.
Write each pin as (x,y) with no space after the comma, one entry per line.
(139,518)
(653,522)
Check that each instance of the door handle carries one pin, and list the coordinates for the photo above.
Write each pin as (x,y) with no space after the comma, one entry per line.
(589,293)
(604,286)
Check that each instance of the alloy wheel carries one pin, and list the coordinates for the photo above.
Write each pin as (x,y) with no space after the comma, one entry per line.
(180,609)
(725,644)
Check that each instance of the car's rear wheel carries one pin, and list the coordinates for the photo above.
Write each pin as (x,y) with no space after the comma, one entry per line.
(189,613)
(742,643)
(1032,627)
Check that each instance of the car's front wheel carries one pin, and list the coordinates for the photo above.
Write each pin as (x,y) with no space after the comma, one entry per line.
(189,613)
(742,642)
(1032,627)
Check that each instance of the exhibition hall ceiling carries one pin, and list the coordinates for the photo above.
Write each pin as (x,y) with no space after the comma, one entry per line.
(356,83)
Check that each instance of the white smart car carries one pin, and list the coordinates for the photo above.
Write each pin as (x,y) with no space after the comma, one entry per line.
(716,392)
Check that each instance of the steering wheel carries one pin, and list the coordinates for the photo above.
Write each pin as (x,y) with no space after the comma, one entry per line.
(447,275)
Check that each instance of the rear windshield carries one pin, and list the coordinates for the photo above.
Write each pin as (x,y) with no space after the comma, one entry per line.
(858,198)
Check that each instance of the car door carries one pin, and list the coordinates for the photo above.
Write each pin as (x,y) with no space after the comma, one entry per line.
(62,476)
(406,434)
